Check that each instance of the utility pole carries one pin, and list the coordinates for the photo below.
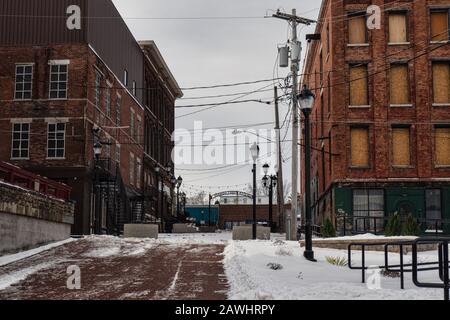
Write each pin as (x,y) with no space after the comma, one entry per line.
(280,190)
(291,229)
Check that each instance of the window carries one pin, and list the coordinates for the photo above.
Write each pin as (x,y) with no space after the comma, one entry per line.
(134,88)
(357,32)
(132,128)
(56,140)
(368,203)
(359,147)
(401,147)
(108,102)
(20,140)
(433,206)
(139,172)
(118,153)
(132,168)
(439,25)
(329,93)
(359,95)
(442,140)
(139,129)
(58,81)
(118,106)
(399,84)
(24,82)
(125,78)
(98,89)
(441,82)
(398,27)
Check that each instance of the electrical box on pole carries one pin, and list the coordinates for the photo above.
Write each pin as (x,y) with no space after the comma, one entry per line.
(284,57)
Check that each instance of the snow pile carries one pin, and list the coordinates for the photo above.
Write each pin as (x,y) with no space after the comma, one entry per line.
(246,267)
(368,236)
(26,254)
(8,280)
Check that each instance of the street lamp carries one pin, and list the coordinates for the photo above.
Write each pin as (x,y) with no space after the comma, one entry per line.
(254,149)
(269,182)
(306,100)
(97,152)
(179,181)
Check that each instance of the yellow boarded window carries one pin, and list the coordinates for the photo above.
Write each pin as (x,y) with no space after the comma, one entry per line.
(397,28)
(442,136)
(399,80)
(441,82)
(439,26)
(401,147)
(359,85)
(357,33)
(359,147)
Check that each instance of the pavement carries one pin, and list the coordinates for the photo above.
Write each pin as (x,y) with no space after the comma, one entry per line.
(113,268)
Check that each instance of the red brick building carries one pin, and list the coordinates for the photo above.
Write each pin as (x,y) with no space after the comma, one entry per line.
(381,119)
(63,89)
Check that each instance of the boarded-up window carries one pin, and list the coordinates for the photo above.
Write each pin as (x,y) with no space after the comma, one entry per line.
(401,147)
(359,147)
(439,25)
(397,28)
(441,82)
(399,80)
(359,95)
(442,146)
(357,33)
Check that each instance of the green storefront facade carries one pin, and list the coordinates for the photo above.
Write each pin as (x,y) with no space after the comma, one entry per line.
(430,204)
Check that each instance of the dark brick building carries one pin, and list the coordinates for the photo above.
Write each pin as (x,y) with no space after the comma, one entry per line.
(381,120)
(62,90)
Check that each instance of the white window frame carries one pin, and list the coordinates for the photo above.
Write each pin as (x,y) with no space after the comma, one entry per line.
(56,140)
(138,128)
(132,124)
(98,90)
(59,64)
(117,153)
(108,100)
(132,169)
(138,172)
(21,140)
(118,110)
(125,77)
(23,82)
(134,88)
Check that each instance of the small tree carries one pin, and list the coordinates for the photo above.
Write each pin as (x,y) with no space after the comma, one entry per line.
(410,227)
(393,226)
(328,230)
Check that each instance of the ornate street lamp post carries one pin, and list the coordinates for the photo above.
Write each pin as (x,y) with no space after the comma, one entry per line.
(269,182)
(97,152)
(254,149)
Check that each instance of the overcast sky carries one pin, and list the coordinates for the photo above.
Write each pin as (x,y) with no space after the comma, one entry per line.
(207,52)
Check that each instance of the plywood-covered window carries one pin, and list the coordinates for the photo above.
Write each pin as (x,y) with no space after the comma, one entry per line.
(357,30)
(359,95)
(399,84)
(398,31)
(442,138)
(439,25)
(359,137)
(401,146)
(441,82)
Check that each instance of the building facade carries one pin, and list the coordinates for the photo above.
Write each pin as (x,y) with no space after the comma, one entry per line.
(65,88)
(381,119)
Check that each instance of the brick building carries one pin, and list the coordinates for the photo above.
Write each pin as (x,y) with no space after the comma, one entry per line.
(63,89)
(381,119)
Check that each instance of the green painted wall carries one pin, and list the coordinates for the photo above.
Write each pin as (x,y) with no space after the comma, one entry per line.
(414,196)
(343,200)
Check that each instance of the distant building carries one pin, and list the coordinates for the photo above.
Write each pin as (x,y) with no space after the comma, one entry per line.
(381,120)
(64,90)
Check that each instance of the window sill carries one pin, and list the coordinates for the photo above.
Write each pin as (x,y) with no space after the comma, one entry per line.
(360,107)
(402,167)
(22,100)
(359,168)
(355,45)
(406,105)
(440,42)
(19,159)
(441,104)
(58,99)
(64,158)
(442,166)
(399,43)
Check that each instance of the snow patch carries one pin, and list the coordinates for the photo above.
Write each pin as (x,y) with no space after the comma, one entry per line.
(8,280)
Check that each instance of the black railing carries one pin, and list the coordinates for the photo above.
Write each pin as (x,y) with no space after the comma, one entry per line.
(366,224)
(442,265)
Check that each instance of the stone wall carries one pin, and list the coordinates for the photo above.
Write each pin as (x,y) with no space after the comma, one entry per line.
(28,219)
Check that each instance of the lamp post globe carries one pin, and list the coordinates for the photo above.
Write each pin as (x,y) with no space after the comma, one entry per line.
(179,181)
(97,150)
(266,168)
(254,149)
(306,99)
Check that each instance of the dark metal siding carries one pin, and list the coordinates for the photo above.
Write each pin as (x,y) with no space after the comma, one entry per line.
(114,43)
(43,22)
(38,22)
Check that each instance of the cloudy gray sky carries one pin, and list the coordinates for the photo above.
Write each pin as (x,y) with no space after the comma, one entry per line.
(205,52)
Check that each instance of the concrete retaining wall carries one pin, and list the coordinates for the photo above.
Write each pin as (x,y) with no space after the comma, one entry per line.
(140,231)
(246,233)
(29,219)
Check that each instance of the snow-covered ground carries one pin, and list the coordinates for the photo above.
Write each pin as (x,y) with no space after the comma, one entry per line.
(246,265)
